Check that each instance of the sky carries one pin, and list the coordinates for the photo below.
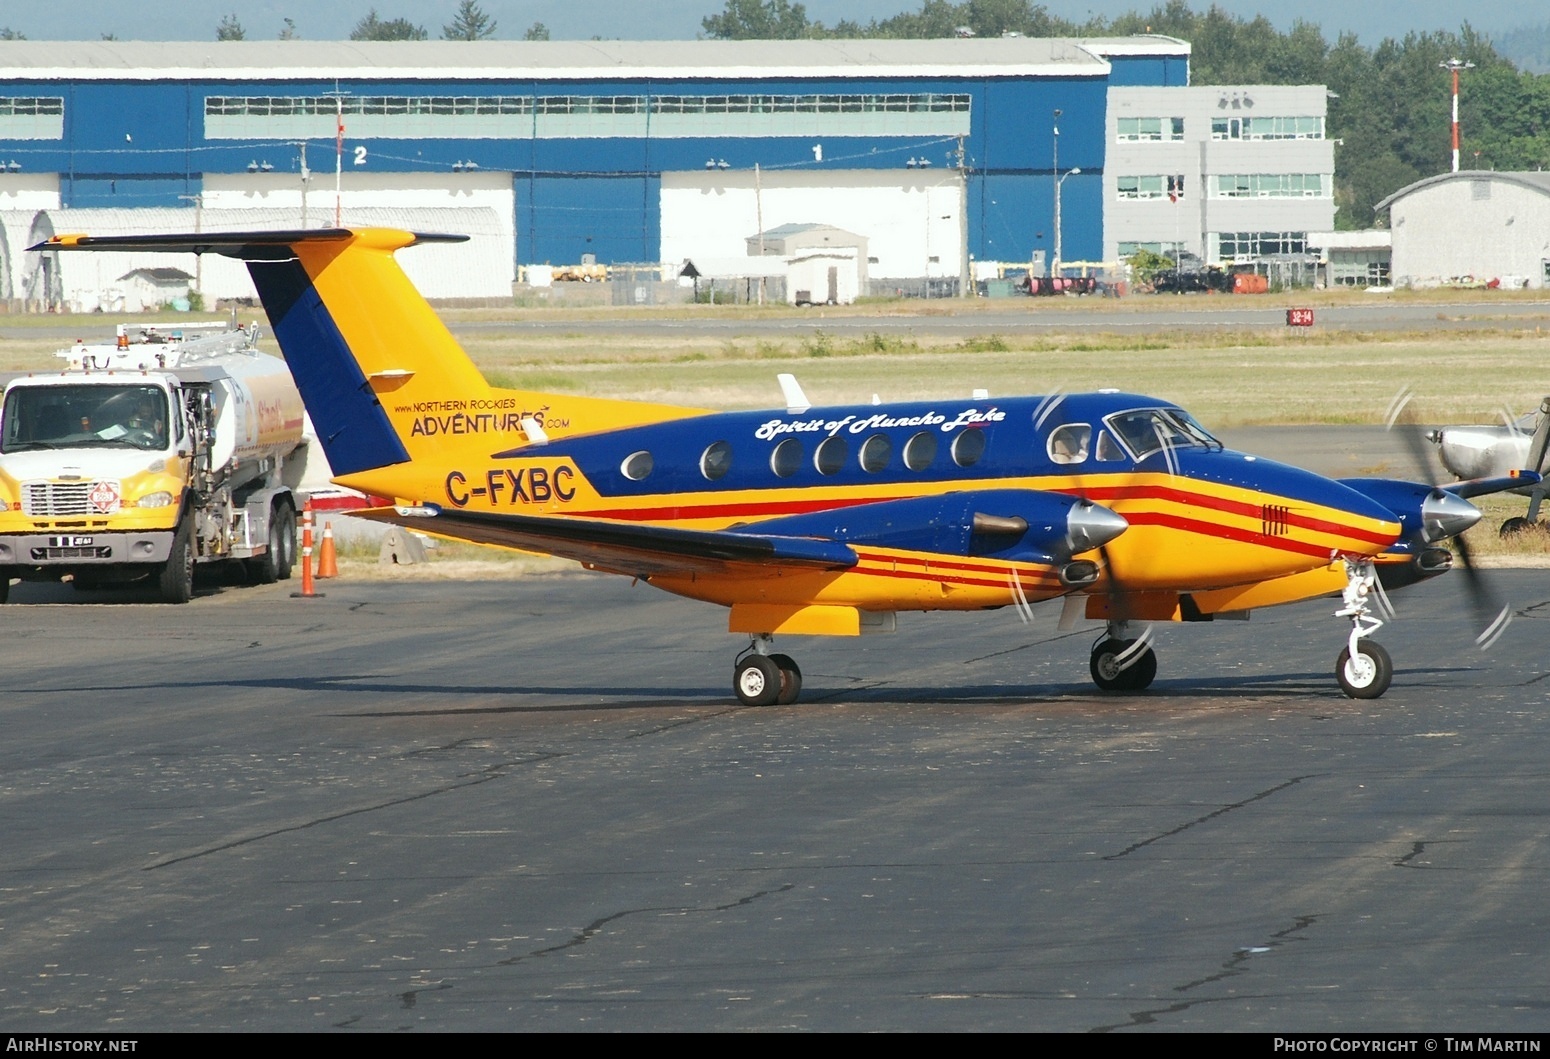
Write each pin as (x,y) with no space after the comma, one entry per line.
(668,19)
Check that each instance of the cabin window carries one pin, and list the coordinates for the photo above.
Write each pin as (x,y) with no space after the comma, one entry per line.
(920,450)
(1108,448)
(637,465)
(876,451)
(1068,443)
(968,447)
(830,456)
(786,460)
(716,460)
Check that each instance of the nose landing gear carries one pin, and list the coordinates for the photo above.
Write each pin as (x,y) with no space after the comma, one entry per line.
(1363,669)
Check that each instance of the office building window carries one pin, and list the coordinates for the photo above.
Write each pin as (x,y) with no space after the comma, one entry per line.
(1267,128)
(1154,130)
(1271,186)
(1151,187)
(1245,245)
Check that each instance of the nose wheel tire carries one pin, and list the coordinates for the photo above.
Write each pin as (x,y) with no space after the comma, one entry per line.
(1107,674)
(1367,674)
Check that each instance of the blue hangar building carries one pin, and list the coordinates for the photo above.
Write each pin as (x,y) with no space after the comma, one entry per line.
(932,152)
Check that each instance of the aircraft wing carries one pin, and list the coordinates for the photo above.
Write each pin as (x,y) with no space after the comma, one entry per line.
(626,548)
(1487,486)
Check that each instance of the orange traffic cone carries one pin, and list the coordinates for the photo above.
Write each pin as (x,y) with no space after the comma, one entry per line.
(307,591)
(328,559)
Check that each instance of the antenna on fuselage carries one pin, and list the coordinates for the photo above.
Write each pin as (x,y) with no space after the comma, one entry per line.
(796,400)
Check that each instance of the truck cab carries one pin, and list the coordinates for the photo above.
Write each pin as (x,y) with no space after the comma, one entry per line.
(145,458)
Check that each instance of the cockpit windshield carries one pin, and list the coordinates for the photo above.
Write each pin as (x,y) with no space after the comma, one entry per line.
(60,417)
(1148,430)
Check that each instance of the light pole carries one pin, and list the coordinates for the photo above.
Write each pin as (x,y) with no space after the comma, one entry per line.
(1059,180)
(1055,173)
(198,199)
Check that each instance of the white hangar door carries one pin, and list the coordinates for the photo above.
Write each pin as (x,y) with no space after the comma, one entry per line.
(913,220)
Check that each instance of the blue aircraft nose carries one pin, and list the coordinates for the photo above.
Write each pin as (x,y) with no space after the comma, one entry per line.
(1352,496)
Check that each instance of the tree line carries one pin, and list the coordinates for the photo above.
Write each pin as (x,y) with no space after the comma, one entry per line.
(1390,104)
(1388,109)
(469,22)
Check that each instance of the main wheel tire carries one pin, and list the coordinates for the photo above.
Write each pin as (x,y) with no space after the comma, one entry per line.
(275,564)
(1516,525)
(1107,674)
(176,580)
(757,681)
(790,679)
(1368,675)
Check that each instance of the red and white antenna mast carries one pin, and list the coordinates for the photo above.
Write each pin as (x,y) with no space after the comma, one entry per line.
(338,97)
(1456,65)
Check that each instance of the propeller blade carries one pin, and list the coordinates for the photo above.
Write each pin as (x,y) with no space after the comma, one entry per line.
(1400,419)
(1492,613)
(1047,407)
(1019,597)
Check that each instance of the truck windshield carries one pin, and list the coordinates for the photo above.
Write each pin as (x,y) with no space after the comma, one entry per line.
(68,417)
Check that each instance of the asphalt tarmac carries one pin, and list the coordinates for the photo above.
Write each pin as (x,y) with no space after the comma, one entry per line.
(535,805)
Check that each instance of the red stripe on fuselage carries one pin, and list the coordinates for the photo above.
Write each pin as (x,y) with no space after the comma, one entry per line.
(1217,531)
(1242,509)
(1231,507)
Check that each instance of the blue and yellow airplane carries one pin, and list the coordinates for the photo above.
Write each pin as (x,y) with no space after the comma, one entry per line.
(829,521)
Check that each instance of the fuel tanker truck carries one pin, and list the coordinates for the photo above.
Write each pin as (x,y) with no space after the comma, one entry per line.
(144,458)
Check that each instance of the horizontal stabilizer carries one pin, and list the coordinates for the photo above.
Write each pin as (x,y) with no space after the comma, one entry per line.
(247,246)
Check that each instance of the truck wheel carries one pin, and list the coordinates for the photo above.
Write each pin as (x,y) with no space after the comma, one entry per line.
(285,516)
(176,580)
(275,564)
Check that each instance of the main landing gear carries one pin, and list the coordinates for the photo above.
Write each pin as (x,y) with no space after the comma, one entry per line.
(1121,662)
(764,679)
(1364,669)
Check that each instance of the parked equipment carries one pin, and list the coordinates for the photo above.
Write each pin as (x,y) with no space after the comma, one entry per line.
(144,458)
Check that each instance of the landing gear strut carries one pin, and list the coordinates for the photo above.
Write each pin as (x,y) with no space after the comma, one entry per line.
(763,679)
(1122,663)
(1363,669)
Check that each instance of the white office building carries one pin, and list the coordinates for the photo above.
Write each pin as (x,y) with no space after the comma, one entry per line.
(1229,174)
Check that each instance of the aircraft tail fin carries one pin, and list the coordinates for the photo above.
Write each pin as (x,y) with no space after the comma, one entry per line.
(383,379)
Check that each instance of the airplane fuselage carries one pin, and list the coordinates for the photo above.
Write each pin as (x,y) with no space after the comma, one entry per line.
(1200,517)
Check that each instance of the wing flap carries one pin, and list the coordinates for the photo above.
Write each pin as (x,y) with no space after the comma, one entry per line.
(624,547)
